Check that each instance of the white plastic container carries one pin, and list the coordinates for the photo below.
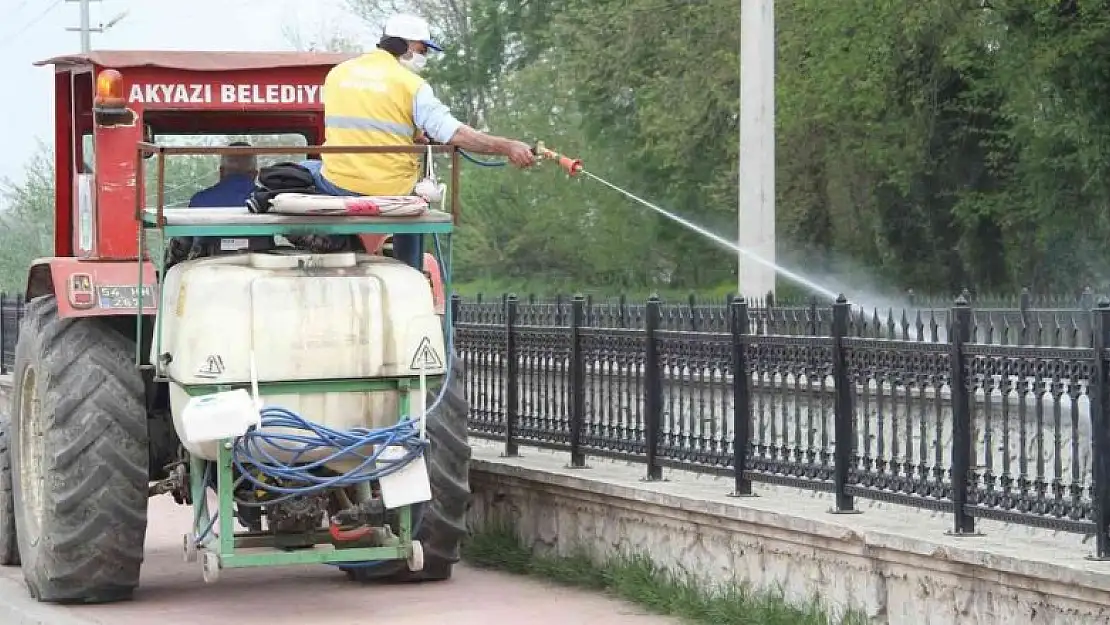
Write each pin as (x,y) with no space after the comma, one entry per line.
(305,317)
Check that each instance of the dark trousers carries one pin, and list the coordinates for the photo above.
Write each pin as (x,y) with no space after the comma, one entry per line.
(409,249)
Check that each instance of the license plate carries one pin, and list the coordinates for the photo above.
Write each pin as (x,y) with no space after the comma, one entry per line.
(124,296)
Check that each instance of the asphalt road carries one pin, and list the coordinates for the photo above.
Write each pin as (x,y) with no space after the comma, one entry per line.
(173,593)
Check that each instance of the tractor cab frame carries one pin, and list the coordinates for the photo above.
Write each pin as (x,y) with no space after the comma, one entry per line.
(110,106)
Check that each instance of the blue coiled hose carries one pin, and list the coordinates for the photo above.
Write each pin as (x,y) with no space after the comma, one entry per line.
(250,453)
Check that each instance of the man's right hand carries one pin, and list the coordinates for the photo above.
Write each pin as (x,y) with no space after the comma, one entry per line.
(520,154)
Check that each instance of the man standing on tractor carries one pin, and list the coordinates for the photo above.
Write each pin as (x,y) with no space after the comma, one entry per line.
(378,98)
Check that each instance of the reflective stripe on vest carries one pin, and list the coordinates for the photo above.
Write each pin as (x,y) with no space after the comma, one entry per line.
(361,123)
(368,100)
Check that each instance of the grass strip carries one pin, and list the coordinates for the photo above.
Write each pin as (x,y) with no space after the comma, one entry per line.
(637,579)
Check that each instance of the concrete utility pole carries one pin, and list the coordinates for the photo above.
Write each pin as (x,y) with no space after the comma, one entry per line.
(86,32)
(756,215)
(86,29)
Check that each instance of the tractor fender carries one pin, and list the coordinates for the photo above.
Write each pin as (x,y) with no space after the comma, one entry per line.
(92,288)
(432,270)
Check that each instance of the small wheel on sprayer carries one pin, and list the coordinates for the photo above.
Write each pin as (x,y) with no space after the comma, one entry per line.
(190,548)
(416,560)
(211,564)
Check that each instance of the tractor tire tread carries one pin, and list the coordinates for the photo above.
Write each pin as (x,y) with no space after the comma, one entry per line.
(96,457)
(9,547)
(443,520)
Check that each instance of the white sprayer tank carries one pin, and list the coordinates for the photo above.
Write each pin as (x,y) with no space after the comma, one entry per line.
(307,317)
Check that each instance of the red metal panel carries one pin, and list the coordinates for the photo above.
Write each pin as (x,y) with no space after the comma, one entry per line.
(431,268)
(291,89)
(82,84)
(117,231)
(93,289)
(63,158)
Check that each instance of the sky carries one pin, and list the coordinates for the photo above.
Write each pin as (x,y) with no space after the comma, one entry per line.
(34,30)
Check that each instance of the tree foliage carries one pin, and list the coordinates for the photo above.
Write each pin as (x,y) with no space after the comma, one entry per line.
(937,144)
(941,144)
(26,219)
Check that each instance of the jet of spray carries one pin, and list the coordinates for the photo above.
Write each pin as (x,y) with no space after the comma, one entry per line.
(794,277)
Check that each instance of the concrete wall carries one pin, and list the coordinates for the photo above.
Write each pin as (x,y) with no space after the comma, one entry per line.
(869,561)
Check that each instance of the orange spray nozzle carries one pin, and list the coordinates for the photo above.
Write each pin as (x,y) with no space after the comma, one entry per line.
(571,165)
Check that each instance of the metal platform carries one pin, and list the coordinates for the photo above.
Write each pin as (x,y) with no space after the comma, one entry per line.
(238,221)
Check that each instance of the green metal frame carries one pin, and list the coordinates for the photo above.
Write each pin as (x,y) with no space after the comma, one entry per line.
(228,546)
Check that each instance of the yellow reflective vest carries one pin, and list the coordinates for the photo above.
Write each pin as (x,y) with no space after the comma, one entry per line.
(368,100)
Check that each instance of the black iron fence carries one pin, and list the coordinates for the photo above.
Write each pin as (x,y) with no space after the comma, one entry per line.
(1015,433)
(1021,320)
(935,415)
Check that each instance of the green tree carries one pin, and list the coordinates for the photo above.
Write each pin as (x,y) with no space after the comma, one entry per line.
(26,219)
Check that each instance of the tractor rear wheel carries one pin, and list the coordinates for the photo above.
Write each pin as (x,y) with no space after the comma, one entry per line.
(79,457)
(9,549)
(443,519)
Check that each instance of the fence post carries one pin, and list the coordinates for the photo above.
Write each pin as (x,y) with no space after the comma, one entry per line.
(1025,302)
(963,440)
(741,398)
(456,307)
(3,338)
(844,413)
(692,306)
(578,382)
(814,327)
(1100,430)
(512,379)
(1087,305)
(653,389)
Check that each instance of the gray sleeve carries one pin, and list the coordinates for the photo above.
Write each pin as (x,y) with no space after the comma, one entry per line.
(433,116)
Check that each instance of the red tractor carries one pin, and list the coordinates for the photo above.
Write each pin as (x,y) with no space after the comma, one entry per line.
(134,379)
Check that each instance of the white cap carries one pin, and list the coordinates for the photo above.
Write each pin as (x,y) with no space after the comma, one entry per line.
(410,27)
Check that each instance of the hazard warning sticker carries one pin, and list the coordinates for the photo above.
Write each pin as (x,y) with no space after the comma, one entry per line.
(426,357)
(213,367)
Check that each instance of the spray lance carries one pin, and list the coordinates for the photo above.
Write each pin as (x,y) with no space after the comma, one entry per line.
(573,167)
